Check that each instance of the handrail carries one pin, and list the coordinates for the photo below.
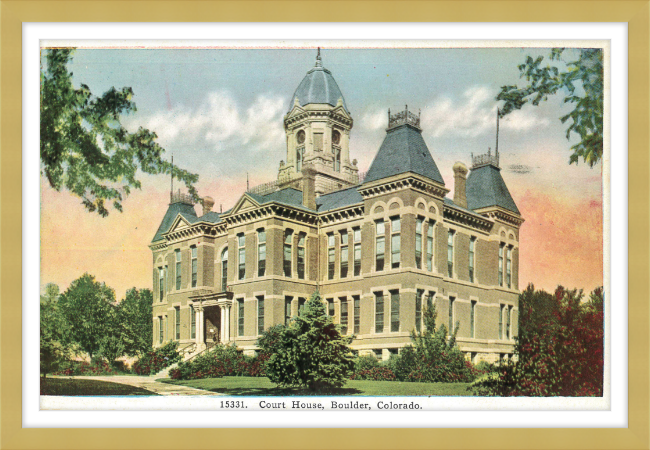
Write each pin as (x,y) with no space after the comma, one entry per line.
(209,346)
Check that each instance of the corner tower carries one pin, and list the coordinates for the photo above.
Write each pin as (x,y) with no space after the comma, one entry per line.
(317,128)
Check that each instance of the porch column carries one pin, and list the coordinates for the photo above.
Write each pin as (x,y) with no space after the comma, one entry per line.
(201,328)
(222,331)
(197,321)
(228,323)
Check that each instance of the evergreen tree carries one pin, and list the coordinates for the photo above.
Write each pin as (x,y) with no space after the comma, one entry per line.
(310,351)
(134,321)
(56,339)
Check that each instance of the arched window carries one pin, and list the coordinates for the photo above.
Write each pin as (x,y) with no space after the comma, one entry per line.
(224,269)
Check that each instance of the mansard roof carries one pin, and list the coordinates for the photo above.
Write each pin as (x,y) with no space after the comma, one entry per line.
(184,209)
(338,199)
(403,150)
(287,196)
(485,187)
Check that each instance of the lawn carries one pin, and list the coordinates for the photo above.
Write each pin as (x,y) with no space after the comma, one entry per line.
(262,386)
(66,386)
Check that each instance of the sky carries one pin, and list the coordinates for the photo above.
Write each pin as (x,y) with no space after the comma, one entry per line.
(220,113)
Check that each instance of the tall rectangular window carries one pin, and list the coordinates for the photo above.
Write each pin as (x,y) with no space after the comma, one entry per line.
(192,323)
(178,269)
(260,314)
(379,312)
(356,232)
(418,309)
(394,311)
(301,305)
(177,321)
(501,247)
(380,244)
(430,229)
(450,253)
(472,249)
(344,315)
(165,279)
(240,317)
(224,270)
(261,253)
(161,283)
(451,314)
(357,313)
(509,267)
(161,330)
(331,258)
(330,307)
(344,253)
(288,251)
(318,142)
(301,256)
(430,297)
(418,242)
(195,265)
(241,243)
(508,318)
(337,159)
(472,318)
(501,310)
(287,309)
(395,242)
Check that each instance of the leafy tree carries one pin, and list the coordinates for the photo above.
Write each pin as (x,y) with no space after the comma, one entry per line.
(56,340)
(89,308)
(84,146)
(560,357)
(310,351)
(434,356)
(581,82)
(134,321)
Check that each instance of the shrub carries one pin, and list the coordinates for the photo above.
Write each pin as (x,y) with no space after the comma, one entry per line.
(559,349)
(378,373)
(310,351)
(221,360)
(96,367)
(365,362)
(157,359)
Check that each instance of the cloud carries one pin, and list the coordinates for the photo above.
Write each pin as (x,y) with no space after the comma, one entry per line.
(374,120)
(473,114)
(219,122)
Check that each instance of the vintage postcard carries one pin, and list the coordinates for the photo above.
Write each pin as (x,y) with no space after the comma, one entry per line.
(324,226)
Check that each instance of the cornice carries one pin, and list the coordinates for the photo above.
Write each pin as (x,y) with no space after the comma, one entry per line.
(408,181)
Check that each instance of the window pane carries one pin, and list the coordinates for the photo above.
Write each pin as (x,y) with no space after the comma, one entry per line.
(261,236)
(240,317)
(330,240)
(394,311)
(344,316)
(357,313)
(380,228)
(379,313)
(395,225)
(242,240)
(344,238)
(357,235)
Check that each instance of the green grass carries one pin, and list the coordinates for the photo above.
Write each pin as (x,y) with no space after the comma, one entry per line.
(262,386)
(66,386)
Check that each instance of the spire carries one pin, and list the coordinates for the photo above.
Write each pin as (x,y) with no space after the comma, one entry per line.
(319,62)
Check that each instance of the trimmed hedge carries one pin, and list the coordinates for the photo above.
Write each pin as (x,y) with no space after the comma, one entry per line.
(98,367)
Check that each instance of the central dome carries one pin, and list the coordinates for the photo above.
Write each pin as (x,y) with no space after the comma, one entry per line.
(318,87)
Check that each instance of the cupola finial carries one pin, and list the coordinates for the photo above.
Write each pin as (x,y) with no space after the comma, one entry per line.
(319,62)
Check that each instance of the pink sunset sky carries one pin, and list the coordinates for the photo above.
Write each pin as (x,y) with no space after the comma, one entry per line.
(220,113)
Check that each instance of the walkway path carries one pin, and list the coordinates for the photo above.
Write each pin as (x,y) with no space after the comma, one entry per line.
(148,383)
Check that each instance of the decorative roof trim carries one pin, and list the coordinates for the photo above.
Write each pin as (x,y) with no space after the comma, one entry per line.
(501,214)
(341,214)
(454,214)
(403,181)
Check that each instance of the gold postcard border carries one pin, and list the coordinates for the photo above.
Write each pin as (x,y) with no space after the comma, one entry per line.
(13,13)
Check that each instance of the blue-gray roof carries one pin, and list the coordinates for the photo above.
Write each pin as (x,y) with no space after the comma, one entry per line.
(338,199)
(450,202)
(485,187)
(287,196)
(185,210)
(318,87)
(403,150)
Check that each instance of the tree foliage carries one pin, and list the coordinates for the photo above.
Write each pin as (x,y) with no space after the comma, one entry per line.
(55,334)
(434,355)
(310,351)
(559,350)
(89,308)
(134,320)
(581,82)
(84,146)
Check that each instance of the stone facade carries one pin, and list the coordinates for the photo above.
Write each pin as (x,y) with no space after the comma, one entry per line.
(225,277)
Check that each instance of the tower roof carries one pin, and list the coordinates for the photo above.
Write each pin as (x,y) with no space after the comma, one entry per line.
(318,87)
(485,187)
(178,207)
(403,150)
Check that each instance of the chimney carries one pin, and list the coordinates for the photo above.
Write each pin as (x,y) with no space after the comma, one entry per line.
(208,203)
(309,187)
(460,180)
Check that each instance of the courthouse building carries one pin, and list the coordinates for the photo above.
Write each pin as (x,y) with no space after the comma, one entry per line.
(379,248)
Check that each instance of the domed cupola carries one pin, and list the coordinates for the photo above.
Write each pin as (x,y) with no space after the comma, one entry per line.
(318,87)
(317,127)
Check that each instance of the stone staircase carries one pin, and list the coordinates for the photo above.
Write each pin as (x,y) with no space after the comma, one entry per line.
(188,353)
